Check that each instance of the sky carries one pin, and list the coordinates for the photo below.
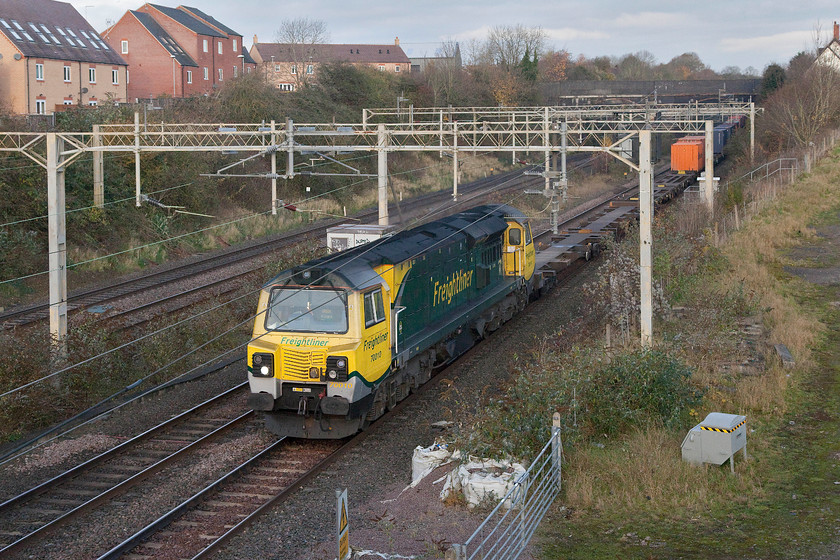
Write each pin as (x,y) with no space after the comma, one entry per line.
(743,33)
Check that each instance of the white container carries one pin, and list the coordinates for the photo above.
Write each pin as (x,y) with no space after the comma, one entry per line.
(347,236)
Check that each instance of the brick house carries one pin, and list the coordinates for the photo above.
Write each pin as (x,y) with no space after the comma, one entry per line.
(50,57)
(176,52)
(291,66)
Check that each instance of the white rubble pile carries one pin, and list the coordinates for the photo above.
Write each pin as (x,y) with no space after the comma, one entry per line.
(483,481)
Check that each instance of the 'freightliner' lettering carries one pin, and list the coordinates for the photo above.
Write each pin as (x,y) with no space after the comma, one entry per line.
(459,282)
(302,341)
(376,340)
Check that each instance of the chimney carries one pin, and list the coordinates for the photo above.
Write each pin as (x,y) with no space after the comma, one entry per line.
(255,39)
(836,31)
(397,39)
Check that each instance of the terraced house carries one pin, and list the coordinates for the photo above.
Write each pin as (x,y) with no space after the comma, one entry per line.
(176,52)
(291,66)
(51,58)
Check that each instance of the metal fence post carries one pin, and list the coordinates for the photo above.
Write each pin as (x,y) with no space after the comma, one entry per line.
(557,448)
(456,552)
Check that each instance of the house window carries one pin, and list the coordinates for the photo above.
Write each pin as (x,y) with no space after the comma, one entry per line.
(221,75)
(234,46)
(115,77)
(276,67)
(124,46)
(92,103)
(205,46)
(381,67)
(220,47)
(41,106)
(189,76)
(92,75)
(68,101)
(286,87)
(66,73)
(127,79)
(309,69)
(294,68)
(39,72)
(235,71)
(397,68)
(206,73)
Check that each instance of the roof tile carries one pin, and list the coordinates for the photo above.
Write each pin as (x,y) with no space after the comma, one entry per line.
(53,30)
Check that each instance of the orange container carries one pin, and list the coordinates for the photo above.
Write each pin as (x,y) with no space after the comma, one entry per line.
(688,154)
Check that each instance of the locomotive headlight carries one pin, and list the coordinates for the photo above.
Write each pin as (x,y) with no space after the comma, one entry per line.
(262,364)
(336,368)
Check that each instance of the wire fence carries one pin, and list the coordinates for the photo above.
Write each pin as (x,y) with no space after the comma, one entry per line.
(506,532)
(739,200)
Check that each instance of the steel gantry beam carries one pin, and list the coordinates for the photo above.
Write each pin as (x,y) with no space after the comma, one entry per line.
(545,130)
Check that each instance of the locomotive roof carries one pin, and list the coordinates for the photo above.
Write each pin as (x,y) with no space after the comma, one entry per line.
(353,267)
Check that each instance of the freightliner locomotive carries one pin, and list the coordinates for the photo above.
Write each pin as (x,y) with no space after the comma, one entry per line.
(339,340)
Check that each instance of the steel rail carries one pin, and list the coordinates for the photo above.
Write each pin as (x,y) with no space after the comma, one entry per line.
(180,271)
(122,486)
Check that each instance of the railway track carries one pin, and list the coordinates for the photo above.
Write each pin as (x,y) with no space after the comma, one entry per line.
(100,295)
(205,521)
(36,513)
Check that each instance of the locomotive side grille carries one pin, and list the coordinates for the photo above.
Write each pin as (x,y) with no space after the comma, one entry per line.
(295,364)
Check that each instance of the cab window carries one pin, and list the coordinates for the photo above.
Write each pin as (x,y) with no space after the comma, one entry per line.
(374,308)
(515,236)
(528,238)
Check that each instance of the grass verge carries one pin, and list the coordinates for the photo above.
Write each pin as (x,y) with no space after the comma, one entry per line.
(627,493)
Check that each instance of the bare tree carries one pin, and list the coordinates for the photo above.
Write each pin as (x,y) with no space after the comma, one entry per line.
(302,31)
(801,109)
(442,75)
(301,38)
(507,44)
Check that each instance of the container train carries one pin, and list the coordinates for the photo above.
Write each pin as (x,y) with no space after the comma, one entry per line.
(341,339)
(689,152)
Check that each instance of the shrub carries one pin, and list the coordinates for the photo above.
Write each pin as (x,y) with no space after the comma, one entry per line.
(595,396)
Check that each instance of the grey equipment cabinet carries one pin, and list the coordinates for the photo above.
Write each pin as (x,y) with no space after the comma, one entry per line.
(717,438)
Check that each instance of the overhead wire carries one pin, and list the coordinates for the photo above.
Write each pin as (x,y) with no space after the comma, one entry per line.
(229,351)
(194,232)
(431,213)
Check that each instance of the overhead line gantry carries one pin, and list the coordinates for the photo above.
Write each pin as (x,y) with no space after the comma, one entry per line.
(545,130)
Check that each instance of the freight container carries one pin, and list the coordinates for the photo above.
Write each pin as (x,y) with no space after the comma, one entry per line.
(688,154)
(721,135)
(739,120)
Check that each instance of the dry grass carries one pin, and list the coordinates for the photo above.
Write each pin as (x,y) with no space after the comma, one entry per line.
(646,473)
(764,394)
(757,256)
